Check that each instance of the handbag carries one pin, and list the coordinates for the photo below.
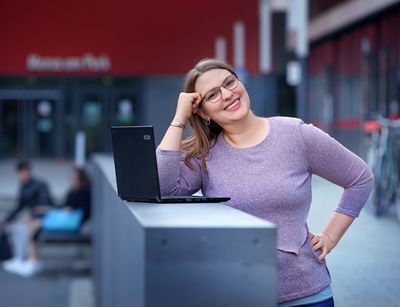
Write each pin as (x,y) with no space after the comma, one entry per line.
(61,220)
(5,247)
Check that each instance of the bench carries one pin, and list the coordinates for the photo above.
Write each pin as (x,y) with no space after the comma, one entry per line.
(81,237)
(62,237)
(66,250)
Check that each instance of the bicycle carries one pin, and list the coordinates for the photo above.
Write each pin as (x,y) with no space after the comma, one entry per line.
(383,157)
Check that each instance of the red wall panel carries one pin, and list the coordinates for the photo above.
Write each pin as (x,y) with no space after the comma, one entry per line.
(150,37)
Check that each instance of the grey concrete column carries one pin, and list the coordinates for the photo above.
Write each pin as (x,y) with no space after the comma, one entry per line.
(301,91)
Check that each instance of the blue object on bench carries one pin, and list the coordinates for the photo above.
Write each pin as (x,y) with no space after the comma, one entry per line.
(61,220)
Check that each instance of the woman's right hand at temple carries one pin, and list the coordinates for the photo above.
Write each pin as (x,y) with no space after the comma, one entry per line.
(188,104)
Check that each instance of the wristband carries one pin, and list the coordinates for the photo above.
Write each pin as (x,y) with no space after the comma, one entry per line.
(177,124)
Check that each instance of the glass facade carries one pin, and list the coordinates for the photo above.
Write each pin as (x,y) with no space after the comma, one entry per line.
(41,116)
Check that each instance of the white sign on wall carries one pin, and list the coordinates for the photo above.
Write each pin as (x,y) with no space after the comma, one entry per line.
(85,63)
(293,73)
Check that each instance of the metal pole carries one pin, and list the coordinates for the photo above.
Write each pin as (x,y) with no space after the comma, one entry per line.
(269,81)
(298,24)
(80,148)
(220,48)
(265,36)
(239,50)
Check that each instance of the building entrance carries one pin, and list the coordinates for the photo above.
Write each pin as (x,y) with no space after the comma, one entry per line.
(39,123)
(29,125)
(99,109)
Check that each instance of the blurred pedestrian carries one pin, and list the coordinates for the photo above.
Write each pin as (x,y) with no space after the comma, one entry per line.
(75,210)
(34,196)
(78,199)
(265,166)
(79,196)
(26,262)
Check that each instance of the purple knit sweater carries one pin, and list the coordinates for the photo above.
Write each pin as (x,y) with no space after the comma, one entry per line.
(272,180)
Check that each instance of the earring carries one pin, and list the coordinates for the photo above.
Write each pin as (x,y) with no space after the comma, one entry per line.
(207,122)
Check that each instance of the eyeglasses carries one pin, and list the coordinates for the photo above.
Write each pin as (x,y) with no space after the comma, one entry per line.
(230,83)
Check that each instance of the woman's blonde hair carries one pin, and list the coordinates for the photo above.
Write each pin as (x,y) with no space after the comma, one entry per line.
(198,144)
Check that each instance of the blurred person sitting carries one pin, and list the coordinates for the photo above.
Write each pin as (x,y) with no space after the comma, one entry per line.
(33,195)
(78,198)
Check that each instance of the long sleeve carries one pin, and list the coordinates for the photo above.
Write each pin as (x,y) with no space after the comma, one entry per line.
(44,197)
(32,194)
(69,201)
(79,199)
(11,216)
(175,177)
(331,160)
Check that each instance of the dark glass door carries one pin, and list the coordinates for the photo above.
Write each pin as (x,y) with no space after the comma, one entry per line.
(31,123)
(123,111)
(99,109)
(10,128)
(44,128)
(92,108)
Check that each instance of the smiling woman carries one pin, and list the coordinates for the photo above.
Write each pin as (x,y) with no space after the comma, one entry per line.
(265,166)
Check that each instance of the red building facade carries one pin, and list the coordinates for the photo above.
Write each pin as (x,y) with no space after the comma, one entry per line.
(120,37)
(84,66)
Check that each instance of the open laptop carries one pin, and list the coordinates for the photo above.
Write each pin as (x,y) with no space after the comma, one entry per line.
(136,167)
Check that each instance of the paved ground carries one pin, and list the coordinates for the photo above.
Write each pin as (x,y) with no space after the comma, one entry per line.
(39,291)
(365,266)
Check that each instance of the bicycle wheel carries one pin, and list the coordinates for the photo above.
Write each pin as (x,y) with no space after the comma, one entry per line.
(383,192)
(374,157)
(397,204)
